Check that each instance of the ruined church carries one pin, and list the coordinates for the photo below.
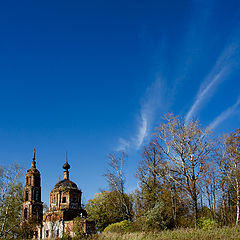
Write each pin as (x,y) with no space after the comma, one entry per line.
(65,205)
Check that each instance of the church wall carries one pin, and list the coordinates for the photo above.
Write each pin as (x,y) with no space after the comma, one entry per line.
(68,228)
(52,229)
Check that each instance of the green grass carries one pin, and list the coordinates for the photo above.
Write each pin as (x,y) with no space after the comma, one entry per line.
(179,234)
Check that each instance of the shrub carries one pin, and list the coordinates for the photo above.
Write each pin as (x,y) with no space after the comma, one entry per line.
(119,227)
(66,237)
(206,223)
(157,218)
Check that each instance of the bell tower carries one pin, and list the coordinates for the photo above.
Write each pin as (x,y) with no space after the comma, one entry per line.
(32,205)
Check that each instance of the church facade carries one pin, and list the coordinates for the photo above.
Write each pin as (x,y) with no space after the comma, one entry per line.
(65,206)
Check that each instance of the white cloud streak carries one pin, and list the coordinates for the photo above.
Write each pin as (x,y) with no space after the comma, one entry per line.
(142,131)
(153,101)
(224,115)
(123,145)
(218,74)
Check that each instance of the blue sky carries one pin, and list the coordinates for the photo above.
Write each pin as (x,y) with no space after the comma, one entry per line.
(93,77)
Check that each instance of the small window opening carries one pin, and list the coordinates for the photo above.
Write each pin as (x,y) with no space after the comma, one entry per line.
(25,213)
(26,195)
(64,200)
(36,195)
(37,213)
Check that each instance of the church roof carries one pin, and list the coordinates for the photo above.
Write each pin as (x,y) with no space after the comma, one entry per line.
(65,184)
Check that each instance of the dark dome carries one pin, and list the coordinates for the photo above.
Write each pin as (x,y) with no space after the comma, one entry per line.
(66,166)
(66,184)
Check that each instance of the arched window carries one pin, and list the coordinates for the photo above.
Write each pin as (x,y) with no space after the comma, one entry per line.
(36,195)
(26,195)
(37,213)
(37,181)
(25,212)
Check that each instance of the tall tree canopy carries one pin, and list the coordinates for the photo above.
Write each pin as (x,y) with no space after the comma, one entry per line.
(186,148)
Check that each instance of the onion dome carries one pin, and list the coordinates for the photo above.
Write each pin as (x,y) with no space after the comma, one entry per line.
(65,184)
(66,165)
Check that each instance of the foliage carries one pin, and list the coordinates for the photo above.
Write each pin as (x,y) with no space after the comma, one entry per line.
(106,208)
(78,227)
(27,230)
(186,178)
(156,218)
(206,223)
(119,227)
(66,237)
(115,177)
(11,197)
(178,234)
(155,190)
(186,148)
(232,167)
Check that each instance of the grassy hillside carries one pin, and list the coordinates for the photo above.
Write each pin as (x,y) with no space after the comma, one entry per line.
(180,234)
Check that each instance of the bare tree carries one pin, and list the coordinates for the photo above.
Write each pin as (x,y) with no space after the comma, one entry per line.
(116,179)
(186,148)
(149,170)
(152,177)
(232,165)
(210,184)
(222,177)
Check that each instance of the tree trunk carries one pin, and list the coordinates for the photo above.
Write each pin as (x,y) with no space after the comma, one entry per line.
(195,208)
(173,201)
(4,221)
(223,207)
(238,202)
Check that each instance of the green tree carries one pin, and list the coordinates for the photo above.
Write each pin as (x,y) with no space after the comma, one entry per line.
(156,188)
(11,197)
(78,228)
(105,208)
(149,174)
(116,179)
(157,217)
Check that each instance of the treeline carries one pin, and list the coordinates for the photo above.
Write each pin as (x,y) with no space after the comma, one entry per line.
(186,178)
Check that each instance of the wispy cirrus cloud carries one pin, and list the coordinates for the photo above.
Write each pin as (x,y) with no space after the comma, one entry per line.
(224,115)
(223,67)
(142,130)
(152,103)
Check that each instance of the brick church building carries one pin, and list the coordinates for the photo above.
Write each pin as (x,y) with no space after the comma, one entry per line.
(65,205)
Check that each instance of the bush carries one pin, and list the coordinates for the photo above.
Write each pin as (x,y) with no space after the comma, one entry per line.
(66,237)
(157,217)
(206,223)
(119,227)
